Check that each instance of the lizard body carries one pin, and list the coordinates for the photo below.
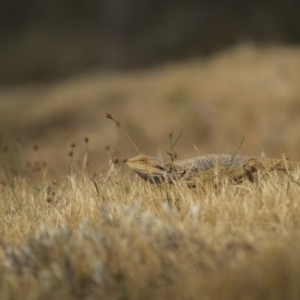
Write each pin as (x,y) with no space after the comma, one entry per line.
(206,167)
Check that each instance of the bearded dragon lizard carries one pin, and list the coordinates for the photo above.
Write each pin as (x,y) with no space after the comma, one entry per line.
(236,167)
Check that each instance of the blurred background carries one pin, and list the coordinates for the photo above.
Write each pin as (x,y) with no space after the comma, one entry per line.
(222,70)
(47,40)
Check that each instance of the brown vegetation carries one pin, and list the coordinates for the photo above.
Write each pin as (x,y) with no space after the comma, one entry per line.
(121,238)
(216,100)
(75,224)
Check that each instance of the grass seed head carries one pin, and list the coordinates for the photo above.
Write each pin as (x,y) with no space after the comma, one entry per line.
(49,200)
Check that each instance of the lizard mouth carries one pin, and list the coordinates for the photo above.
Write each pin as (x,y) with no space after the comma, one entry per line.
(156,178)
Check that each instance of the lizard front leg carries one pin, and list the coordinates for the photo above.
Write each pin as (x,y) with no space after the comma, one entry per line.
(254,165)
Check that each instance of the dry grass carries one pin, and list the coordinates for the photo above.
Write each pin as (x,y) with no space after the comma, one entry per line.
(121,238)
(215,99)
(98,231)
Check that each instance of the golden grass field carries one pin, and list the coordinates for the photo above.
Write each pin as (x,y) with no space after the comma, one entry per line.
(84,227)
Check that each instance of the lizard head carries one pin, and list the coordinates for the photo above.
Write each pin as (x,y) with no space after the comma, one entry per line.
(149,168)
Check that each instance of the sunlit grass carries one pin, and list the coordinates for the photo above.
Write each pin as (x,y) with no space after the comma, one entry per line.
(120,237)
